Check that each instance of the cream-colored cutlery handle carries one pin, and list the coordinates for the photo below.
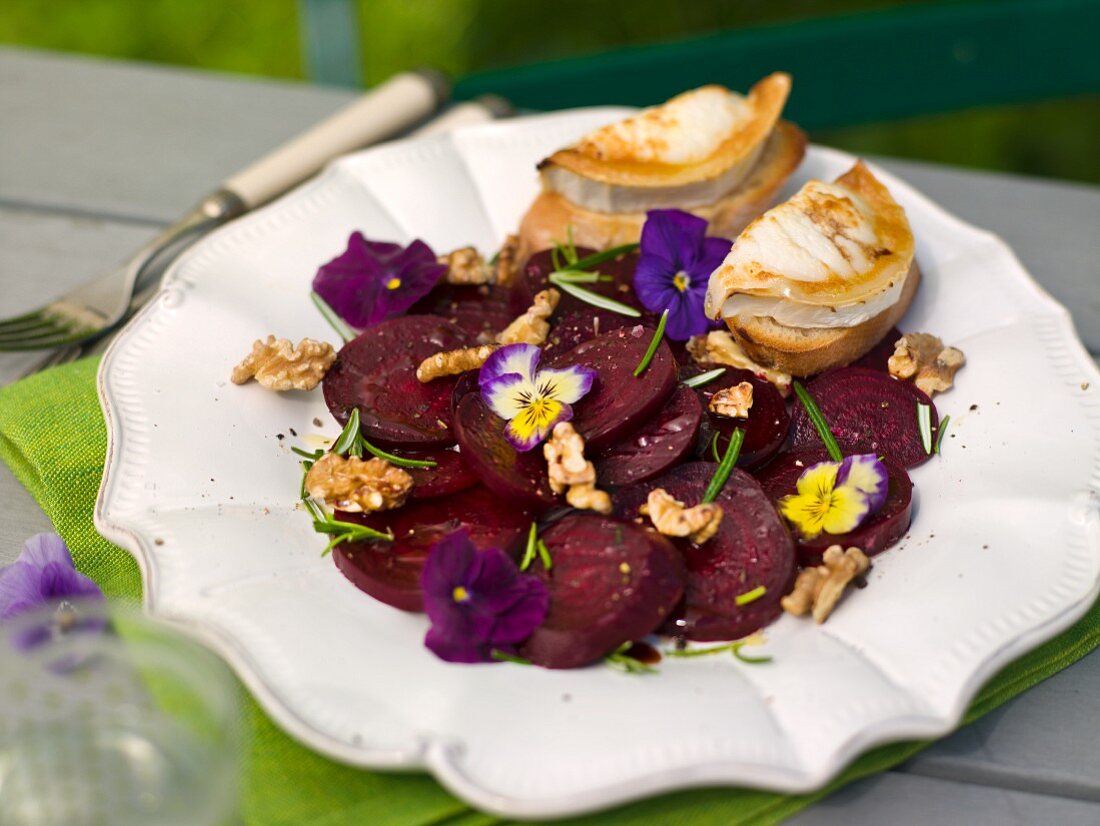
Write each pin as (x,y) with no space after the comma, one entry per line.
(380,113)
(481,110)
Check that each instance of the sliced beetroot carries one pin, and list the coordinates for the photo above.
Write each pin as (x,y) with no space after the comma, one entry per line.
(577,327)
(765,428)
(879,532)
(611,582)
(751,549)
(467,383)
(657,445)
(517,477)
(376,372)
(878,357)
(536,274)
(482,311)
(390,571)
(619,402)
(450,474)
(868,410)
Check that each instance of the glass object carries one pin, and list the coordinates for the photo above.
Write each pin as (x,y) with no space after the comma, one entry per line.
(111,718)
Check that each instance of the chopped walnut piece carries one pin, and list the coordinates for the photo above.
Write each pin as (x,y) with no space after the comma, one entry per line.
(508,260)
(357,485)
(532,327)
(719,347)
(923,358)
(466,266)
(569,471)
(671,518)
(453,362)
(820,589)
(733,402)
(278,365)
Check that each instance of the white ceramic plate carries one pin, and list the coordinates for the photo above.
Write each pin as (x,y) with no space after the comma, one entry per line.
(1004,551)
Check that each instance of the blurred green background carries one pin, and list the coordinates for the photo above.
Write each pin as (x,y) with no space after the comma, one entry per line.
(262,37)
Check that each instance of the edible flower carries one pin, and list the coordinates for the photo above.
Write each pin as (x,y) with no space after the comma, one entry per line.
(478,601)
(836,497)
(674,267)
(374,280)
(532,401)
(44,575)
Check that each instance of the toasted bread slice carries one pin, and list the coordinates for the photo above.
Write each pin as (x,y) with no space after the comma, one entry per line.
(548,216)
(803,351)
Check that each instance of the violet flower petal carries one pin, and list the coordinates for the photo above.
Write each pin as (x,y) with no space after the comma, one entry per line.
(866,474)
(43,573)
(672,235)
(372,281)
(517,359)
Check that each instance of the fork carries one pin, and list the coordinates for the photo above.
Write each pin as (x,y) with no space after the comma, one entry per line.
(96,307)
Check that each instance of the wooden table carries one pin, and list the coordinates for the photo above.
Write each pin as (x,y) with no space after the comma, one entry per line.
(95,155)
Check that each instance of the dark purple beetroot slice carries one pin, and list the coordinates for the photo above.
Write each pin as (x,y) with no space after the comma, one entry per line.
(765,428)
(580,326)
(390,571)
(751,549)
(611,582)
(868,410)
(482,311)
(883,529)
(467,383)
(517,477)
(657,445)
(450,475)
(619,402)
(376,372)
(878,357)
(536,273)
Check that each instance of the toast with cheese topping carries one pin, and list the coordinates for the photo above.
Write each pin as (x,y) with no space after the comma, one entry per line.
(709,151)
(816,281)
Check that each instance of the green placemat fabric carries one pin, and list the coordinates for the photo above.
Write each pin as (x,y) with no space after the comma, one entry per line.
(53,438)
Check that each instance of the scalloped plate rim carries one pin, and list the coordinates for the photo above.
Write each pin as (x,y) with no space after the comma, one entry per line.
(441,756)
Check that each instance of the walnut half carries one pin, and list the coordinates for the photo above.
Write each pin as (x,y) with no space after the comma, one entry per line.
(820,589)
(733,402)
(923,358)
(357,485)
(466,266)
(278,365)
(671,518)
(569,471)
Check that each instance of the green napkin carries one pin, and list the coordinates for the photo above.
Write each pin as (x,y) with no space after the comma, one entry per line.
(52,436)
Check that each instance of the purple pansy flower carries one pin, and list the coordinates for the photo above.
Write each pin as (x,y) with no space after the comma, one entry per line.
(373,280)
(478,601)
(674,268)
(44,575)
(532,401)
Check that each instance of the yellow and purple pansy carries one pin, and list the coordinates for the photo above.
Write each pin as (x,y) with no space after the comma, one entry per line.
(532,401)
(836,497)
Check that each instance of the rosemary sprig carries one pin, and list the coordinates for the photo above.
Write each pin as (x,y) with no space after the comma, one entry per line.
(529,552)
(733,647)
(818,419)
(939,435)
(704,378)
(725,467)
(351,442)
(338,324)
(924,423)
(505,657)
(340,531)
(750,596)
(620,661)
(535,546)
(597,258)
(654,343)
(595,299)
(577,277)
